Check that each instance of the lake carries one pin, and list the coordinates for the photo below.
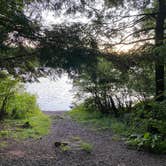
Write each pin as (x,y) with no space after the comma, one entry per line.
(53,95)
(58,95)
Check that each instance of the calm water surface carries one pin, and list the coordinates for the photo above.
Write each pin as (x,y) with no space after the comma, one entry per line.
(56,95)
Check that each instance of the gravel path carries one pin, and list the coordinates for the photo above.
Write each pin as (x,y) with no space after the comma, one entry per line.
(106,151)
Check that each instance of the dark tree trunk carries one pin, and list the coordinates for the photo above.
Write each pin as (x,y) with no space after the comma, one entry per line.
(159,38)
(114,109)
(3,108)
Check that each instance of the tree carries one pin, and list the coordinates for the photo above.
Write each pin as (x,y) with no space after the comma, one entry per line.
(145,27)
(102,83)
(18,34)
(153,12)
(115,24)
(8,88)
(68,47)
(159,41)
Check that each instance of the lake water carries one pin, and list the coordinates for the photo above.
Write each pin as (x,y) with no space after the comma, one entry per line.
(58,95)
(53,95)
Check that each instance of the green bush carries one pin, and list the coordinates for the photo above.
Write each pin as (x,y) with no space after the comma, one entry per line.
(19,111)
(22,106)
(148,126)
(8,88)
(13,102)
(149,117)
(148,141)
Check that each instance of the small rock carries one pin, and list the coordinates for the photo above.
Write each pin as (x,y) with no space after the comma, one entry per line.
(121,164)
(58,144)
(26,125)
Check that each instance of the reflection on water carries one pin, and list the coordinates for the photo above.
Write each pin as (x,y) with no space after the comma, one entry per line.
(52,95)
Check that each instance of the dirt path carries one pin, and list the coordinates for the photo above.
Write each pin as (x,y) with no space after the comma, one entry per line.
(106,151)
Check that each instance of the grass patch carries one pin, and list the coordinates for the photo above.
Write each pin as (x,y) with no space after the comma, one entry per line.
(3,144)
(65,148)
(98,120)
(86,147)
(76,138)
(14,128)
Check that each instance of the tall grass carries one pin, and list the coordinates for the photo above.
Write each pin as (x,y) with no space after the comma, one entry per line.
(98,120)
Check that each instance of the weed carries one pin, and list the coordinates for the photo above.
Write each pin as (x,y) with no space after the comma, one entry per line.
(86,147)
(3,144)
(64,148)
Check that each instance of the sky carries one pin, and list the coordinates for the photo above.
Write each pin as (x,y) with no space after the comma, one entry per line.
(53,17)
(50,18)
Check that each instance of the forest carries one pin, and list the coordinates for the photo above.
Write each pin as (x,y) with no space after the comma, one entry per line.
(113,50)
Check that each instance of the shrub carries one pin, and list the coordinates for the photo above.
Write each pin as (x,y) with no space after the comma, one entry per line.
(148,141)
(150,117)
(19,111)
(22,106)
(148,126)
(8,88)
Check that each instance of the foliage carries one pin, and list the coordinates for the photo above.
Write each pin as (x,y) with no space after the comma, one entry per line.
(148,141)
(113,26)
(101,82)
(148,126)
(20,115)
(144,128)
(22,106)
(68,47)
(8,88)
(18,34)
(13,101)
(140,78)
(150,116)
(109,89)
(98,120)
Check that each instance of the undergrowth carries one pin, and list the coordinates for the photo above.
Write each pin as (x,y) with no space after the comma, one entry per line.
(39,125)
(144,128)
(98,120)
(23,118)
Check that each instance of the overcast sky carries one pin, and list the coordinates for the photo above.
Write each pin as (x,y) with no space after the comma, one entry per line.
(51,17)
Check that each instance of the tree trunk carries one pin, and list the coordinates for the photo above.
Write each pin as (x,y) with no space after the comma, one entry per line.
(159,38)
(2,109)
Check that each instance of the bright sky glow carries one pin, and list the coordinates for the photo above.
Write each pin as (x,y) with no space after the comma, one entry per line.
(49,18)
